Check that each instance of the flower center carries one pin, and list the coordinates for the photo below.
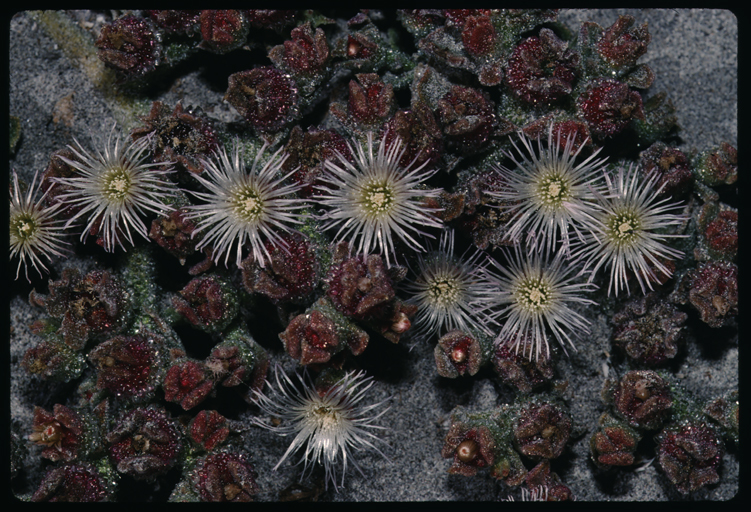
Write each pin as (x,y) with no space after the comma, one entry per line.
(23,227)
(553,190)
(248,204)
(378,198)
(117,185)
(623,228)
(443,291)
(534,295)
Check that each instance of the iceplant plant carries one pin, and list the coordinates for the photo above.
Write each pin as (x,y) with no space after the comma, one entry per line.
(34,231)
(535,295)
(375,199)
(245,206)
(329,424)
(115,188)
(628,234)
(547,192)
(445,287)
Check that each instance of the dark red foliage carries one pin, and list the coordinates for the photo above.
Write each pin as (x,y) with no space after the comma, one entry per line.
(690,455)
(311,338)
(713,291)
(87,306)
(541,477)
(359,287)
(541,430)
(129,45)
(458,353)
(608,105)
(671,165)
(360,46)
(459,16)
(306,53)
(178,136)
(265,97)
(127,366)
(72,482)
(307,151)
(269,18)
(649,329)
(621,45)
(420,134)
(614,443)
(60,432)
(542,69)
(721,233)
(208,429)
(478,35)
(642,398)
(223,30)
(225,476)
(188,383)
(144,443)
(207,302)
(176,21)
(517,370)
(290,275)
(174,234)
(467,118)
(718,166)
(370,100)
(471,447)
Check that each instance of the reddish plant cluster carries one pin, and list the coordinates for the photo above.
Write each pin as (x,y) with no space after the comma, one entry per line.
(642,397)
(265,97)
(223,30)
(224,476)
(175,234)
(649,329)
(467,118)
(459,353)
(291,274)
(145,442)
(79,482)
(717,166)
(130,45)
(208,303)
(712,289)
(188,383)
(180,135)
(320,333)
(614,444)
(690,455)
(542,70)
(61,432)
(306,153)
(541,430)
(608,106)
(718,232)
(672,166)
(85,306)
(519,371)
(128,366)
(306,53)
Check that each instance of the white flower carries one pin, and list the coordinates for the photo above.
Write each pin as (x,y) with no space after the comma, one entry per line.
(628,232)
(114,188)
(34,232)
(244,207)
(445,289)
(329,425)
(376,199)
(548,192)
(537,296)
